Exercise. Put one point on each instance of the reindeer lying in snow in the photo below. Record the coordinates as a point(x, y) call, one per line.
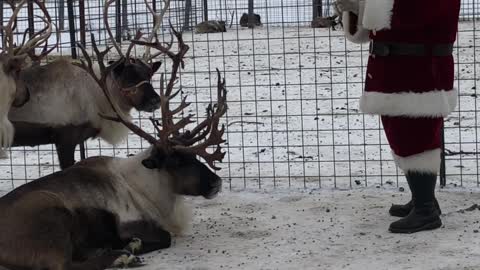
point(65, 101)
point(57, 222)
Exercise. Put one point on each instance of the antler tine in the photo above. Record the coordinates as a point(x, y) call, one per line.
point(42, 36)
point(107, 26)
point(214, 134)
point(8, 30)
point(138, 35)
point(48, 31)
point(190, 137)
point(157, 22)
point(37, 39)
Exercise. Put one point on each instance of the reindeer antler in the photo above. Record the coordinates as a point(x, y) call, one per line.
point(36, 40)
point(107, 26)
point(157, 22)
point(169, 130)
point(7, 43)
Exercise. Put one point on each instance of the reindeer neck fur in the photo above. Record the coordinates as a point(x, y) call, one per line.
point(154, 192)
point(63, 94)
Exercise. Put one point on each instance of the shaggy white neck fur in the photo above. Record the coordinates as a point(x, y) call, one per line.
point(154, 192)
point(378, 14)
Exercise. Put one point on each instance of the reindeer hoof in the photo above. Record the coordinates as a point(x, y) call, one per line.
point(134, 246)
point(127, 260)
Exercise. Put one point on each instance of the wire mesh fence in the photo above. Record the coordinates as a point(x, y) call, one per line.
point(293, 93)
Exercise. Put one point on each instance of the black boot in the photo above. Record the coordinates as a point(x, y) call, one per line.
point(402, 210)
point(424, 215)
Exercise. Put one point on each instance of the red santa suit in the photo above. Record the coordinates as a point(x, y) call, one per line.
point(412, 89)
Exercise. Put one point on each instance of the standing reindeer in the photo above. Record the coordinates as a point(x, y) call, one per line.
point(65, 101)
point(69, 219)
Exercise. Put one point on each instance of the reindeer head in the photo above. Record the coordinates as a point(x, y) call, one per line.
point(12, 61)
point(132, 79)
point(176, 152)
point(132, 75)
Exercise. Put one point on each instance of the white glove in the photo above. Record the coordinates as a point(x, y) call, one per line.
point(346, 5)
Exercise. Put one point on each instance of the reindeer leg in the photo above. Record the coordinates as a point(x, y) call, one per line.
point(144, 237)
point(66, 153)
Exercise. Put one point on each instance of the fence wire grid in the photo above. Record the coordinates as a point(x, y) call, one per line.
point(293, 93)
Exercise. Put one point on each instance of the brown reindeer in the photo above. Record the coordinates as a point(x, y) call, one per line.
point(65, 101)
point(102, 210)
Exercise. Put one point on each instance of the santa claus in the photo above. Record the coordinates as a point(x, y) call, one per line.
point(409, 83)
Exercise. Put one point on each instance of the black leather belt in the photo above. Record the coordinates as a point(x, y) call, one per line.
point(410, 49)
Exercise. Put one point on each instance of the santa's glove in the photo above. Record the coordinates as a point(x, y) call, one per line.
point(346, 5)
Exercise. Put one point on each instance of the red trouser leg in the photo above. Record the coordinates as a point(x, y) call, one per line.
point(415, 142)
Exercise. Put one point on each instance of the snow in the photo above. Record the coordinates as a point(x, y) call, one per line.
point(321, 229)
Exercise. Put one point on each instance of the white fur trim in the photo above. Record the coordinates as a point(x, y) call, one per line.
point(428, 161)
point(362, 35)
point(378, 14)
point(438, 103)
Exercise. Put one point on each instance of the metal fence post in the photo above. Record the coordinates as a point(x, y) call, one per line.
point(31, 24)
point(188, 10)
point(118, 21)
point(443, 177)
point(251, 18)
point(61, 15)
point(205, 10)
point(71, 27)
point(125, 18)
point(73, 45)
point(1, 16)
point(81, 7)
point(317, 10)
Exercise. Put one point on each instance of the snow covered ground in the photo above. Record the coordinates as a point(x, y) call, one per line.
point(324, 230)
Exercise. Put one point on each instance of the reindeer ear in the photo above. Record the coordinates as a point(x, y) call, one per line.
point(15, 64)
point(156, 160)
point(118, 69)
point(150, 163)
point(156, 66)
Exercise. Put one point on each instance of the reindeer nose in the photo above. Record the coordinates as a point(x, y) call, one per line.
point(156, 102)
point(152, 104)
